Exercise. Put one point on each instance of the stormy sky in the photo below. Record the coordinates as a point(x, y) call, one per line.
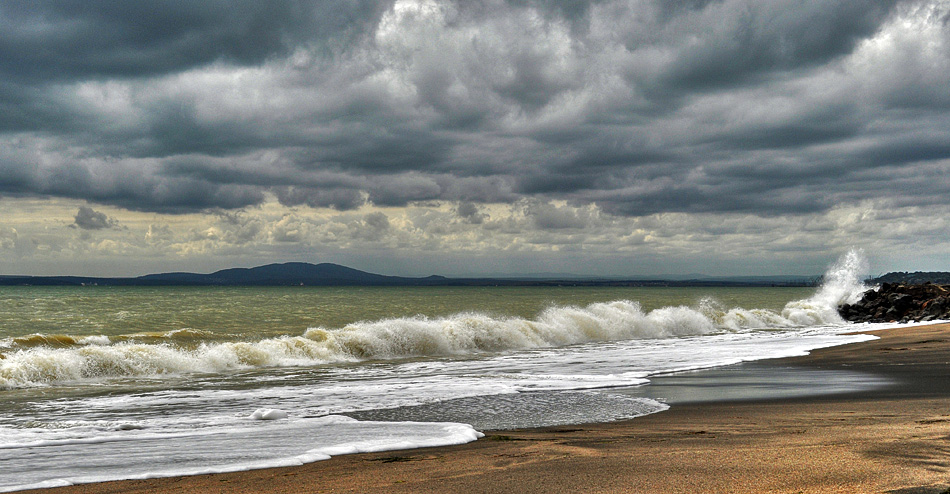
point(412, 137)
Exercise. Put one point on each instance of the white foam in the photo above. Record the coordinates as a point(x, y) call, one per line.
point(301, 441)
point(268, 414)
point(94, 340)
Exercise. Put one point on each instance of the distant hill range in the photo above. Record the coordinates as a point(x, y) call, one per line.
point(286, 274)
point(916, 278)
point(326, 274)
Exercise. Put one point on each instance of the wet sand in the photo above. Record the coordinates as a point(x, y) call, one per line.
point(891, 439)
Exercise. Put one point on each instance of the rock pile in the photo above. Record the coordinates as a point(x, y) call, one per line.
point(900, 302)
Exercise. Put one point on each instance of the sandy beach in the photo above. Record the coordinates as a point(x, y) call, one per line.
point(891, 439)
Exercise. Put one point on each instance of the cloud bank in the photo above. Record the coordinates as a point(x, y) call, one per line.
point(570, 112)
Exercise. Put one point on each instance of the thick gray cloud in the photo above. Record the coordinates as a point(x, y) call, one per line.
point(44, 40)
point(640, 106)
point(90, 219)
point(470, 213)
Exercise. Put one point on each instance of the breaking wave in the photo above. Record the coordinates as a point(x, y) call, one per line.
point(40, 360)
point(842, 284)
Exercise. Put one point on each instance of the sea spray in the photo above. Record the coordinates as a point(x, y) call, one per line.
point(842, 284)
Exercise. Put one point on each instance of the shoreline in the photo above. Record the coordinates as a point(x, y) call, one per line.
point(893, 438)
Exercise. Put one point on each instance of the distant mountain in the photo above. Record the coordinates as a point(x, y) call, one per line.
point(326, 274)
point(291, 273)
point(286, 274)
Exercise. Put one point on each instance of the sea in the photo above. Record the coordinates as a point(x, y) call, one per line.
point(107, 383)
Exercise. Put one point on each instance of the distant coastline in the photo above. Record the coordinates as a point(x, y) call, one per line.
point(327, 274)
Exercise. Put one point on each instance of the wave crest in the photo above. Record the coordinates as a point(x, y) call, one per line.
point(41, 362)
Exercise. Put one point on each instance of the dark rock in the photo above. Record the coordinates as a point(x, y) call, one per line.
point(900, 302)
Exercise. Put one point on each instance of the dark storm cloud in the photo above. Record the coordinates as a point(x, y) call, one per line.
point(137, 185)
point(89, 219)
point(47, 44)
point(647, 106)
point(342, 199)
point(44, 41)
point(757, 38)
point(470, 213)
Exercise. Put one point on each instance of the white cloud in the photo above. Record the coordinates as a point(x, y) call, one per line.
point(674, 242)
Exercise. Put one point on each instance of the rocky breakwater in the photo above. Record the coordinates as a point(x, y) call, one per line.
point(901, 303)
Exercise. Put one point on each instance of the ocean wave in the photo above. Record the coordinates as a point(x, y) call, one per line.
point(53, 340)
point(177, 335)
point(63, 359)
point(67, 341)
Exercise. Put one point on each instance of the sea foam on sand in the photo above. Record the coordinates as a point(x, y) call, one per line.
point(242, 448)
